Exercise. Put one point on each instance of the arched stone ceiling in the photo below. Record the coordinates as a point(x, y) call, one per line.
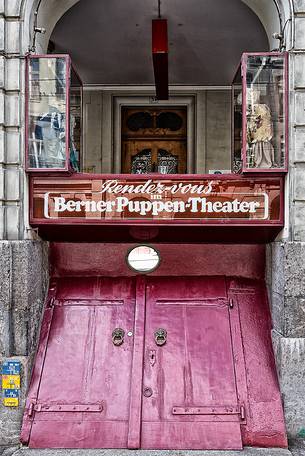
point(110, 40)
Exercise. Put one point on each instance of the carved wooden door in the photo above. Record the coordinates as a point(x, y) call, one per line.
point(154, 141)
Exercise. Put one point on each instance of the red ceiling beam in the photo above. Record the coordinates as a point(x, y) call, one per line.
point(160, 57)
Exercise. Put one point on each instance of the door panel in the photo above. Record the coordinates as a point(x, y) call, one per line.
point(193, 372)
point(154, 140)
point(159, 156)
point(87, 392)
point(83, 397)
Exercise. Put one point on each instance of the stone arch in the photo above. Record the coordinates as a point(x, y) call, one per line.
point(50, 11)
point(268, 14)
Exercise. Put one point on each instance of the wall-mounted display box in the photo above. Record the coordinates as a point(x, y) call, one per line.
point(260, 113)
point(53, 114)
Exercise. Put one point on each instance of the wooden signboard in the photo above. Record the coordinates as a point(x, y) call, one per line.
point(121, 199)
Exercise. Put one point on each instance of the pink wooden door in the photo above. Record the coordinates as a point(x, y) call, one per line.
point(189, 388)
point(89, 390)
point(80, 390)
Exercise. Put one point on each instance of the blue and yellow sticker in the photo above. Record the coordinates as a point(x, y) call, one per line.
point(11, 397)
point(10, 381)
point(11, 368)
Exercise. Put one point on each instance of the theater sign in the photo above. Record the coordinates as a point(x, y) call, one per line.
point(156, 200)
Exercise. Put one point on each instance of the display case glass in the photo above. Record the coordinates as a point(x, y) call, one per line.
point(259, 100)
point(53, 114)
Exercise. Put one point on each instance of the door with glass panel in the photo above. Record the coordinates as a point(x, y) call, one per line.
point(154, 141)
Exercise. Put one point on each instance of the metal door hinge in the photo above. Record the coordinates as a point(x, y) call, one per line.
point(231, 303)
point(64, 408)
point(31, 409)
point(214, 410)
point(51, 303)
point(242, 412)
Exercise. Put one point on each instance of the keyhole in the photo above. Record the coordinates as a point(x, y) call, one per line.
point(152, 357)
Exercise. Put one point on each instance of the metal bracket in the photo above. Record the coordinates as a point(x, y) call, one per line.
point(64, 408)
point(216, 410)
point(51, 303)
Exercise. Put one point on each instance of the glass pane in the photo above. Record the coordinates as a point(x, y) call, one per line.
point(237, 124)
point(265, 145)
point(75, 121)
point(139, 120)
point(167, 162)
point(47, 113)
point(169, 120)
point(141, 162)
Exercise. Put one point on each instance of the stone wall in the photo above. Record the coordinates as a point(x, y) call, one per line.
point(23, 264)
point(23, 283)
point(285, 280)
point(297, 122)
point(11, 178)
point(286, 259)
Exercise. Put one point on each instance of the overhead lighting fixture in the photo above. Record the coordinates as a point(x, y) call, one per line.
point(160, 55)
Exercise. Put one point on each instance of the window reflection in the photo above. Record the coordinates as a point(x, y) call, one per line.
point(47, 113)
point(265, 145)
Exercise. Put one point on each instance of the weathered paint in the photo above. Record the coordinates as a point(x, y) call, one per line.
point(218, 354)
point(194, 368)
point(82, 366)
point(101, 259)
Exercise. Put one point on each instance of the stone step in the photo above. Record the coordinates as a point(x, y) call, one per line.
point(67, 452)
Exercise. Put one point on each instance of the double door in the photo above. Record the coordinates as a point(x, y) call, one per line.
point(136, 363)
point(154, 140)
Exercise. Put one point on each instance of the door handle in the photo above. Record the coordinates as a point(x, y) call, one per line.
point(118, 336)
point(160, 337)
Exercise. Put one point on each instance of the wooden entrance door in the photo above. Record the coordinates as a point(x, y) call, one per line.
point(154, 140)
point(107, 376)
point(189, 386)
point(80, 389)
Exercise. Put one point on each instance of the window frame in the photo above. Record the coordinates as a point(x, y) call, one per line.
point(243, 69)
point(69, 66)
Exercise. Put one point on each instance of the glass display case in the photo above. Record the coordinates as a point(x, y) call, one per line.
point(53, 114)
point(259, 117)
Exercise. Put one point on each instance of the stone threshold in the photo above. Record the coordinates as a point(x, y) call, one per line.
point(113, 452)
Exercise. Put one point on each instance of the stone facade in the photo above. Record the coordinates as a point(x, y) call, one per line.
point(23, 261)
point(285, 280)
point(286, 258)
point(23, 282)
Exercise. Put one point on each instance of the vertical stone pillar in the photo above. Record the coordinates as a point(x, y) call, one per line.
point(23, 283)
point(11, 87)
point(286, 258)
point(23, 263)
point(285, 279)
